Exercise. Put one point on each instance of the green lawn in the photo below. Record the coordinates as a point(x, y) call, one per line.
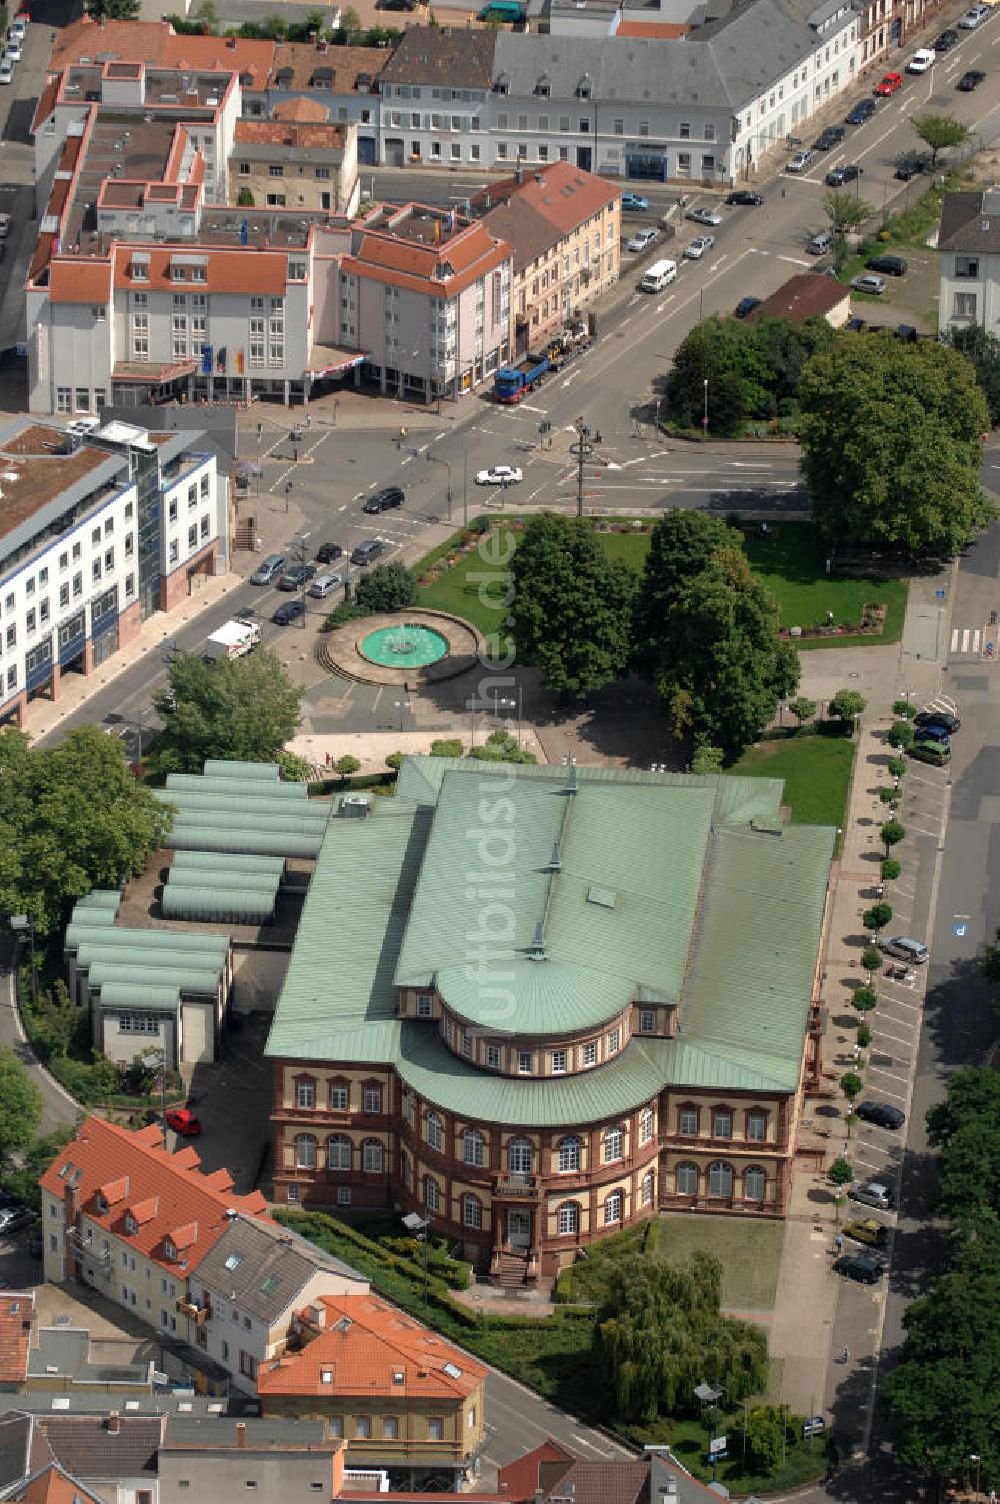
point(750, 1253)
point(789, 559)
point(816, 770)
point(791, 562)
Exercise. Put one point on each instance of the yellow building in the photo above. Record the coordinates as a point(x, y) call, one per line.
point(297, 160)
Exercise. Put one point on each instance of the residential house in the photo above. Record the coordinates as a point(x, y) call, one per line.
point(564, 227)
point(295, 164)
point(96, 534)
point(61, 1362)
point(17, 1314)
point(809, 295)
point(532, 1109)
point(226, 1459)
point(343, 79)
point(113, 1454)
point(393, 1389)
point(969, 250)
point(248, 1287)
point(436, 92)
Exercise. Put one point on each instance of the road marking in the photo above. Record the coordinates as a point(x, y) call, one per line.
point(527, 408)
point(794, 260)
point(439, 436)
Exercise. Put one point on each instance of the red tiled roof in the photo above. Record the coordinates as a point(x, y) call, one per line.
point(377, 1341)
point(53, 1486)
point(155, 42)
point(521, 1475)
point(130, 1170)
point(245, 270)
point(656, 29)
point(300, 109)
point(344, 65)
point(565, 195)
point(442, 269)
point(16, 1311)
point(809, 295)
point(299, 137)
point(80, 279)
point(46, 100)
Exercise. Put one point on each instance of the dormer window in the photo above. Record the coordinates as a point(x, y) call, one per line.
point(584, 87)
point(131, 1225)
point(169, 1250)
point(102, 1205)
point(246, 80)
point(543, 88)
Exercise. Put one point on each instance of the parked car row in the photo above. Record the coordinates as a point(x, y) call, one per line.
point(13, 47)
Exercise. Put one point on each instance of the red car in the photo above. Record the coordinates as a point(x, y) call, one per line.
point(889, 84)
point(183, 1121)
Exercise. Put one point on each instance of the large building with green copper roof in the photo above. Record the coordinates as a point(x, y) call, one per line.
point(537, 1003)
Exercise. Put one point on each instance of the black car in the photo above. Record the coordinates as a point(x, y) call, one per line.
point(838, 176)
point(909, 165)
point(297, 576)
point(327, 552)
point(745, 306)
point(381, 501)
point(892, 266)
point(882, 1114)
point(288, 612)
point(946, 41)
point(745, 196)
point(970, 80)
point(860, 1266)
point(829, 137)
point(943, 718)
point(862, 111)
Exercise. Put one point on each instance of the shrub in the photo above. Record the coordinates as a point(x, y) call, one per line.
point(387, 587)
point(890, 869)
point(903, 709)
point(864, 999)
point(892, 833)
point(901, 734)
point(447, 746)
point(343, 613)
point(864, 1036)
point(896, 767)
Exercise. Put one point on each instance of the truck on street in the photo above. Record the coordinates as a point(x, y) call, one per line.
point(512, 382)
point(232, 640)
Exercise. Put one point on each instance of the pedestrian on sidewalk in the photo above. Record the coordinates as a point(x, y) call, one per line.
point(838, 1242)
point(845, 1356)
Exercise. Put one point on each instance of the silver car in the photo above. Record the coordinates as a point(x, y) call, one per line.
point(699, 246)
point(800, 161)
point(706, 216)
point(869, 283)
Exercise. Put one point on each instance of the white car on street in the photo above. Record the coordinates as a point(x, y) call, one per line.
point(699, 246)
point(13, 50)
point(922, 61)
point(499, 475)
point(6, 71)
point(973, 16)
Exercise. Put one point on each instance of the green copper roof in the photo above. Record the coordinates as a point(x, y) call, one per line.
point(647, 887)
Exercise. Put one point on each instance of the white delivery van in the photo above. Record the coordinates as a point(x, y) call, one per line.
point(660, 274)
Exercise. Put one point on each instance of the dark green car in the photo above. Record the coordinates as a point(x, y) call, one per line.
point(859, 1266)
point(931, 752)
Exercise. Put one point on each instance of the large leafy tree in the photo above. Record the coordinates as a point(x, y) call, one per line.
point(571, 607)
point(246, 708)
point(659, 1332)
point(387, 587)
point(939, 132)
point(845, 211)
point(113, 10)
point(723, 353)
point(706, 634)
point(966, 1128)
point(20, 1106)
point(72, 817)
point(982, 350)
point(891, 445)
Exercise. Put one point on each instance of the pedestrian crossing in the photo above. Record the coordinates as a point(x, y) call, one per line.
point(975, 642)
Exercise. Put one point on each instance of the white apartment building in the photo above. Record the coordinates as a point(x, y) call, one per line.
point(95, 535)
point(969, 248)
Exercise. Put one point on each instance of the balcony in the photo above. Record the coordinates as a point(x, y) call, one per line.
point(198, 1314)
point(511, 1186)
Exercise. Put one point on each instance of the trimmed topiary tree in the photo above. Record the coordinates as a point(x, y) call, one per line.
point(892, 833)
point(877, 917)
point(890, 869)
point(871, 958)
point(864, 999)
point(901, 734)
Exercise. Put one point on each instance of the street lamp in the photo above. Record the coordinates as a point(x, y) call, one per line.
point(260, 434)
point(299, 545)
point(288, 491)
point(704, 412)
point(21, 925)
point(975, 1457)
point(419, 1227)
point(436, 459)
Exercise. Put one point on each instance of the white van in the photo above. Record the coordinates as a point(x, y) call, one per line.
point(324, 583)
point(659, 276)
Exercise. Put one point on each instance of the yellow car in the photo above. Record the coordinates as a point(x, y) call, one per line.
point(866, 1230)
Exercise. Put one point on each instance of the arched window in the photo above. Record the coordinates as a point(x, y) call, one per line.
point(569, 1218)
point(686, 1178)
point(432, 1195)
point(435, 1131)
point(473, 1147)
point(648, 1187)
point(338, 1152)
point(472, 1212)
point(757, 1125)
point(371, 1156)
point(614, 1144)
point(720, 1179)
point(645, 1125)
point(569, 1154)
point(614, 1207)
point(519, 1156)
point(305, 1151)
point(754, 1184)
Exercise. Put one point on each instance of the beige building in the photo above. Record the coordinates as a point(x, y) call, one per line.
point(297, 160)
point(564, 225)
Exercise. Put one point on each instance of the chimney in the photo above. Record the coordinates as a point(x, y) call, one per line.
point(241, 1433)
point(114, 1423)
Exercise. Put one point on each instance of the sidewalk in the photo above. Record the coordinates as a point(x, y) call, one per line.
point(802, 1332)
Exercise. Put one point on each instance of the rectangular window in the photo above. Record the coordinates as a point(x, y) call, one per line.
point(248, 1365)
point(435, 1428)
point(425, 1005)
point(373, 1099)
point(524, 1062)
point(558, 1062)
point(390, 1427)
point(966, 266)
point(305, 1094)
point(64, 399)
point(590, 1053)
point(618, 126)
point(493, 1056)
point(965, 305)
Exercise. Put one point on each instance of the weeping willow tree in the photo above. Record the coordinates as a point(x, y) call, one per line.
point(660, 1332)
